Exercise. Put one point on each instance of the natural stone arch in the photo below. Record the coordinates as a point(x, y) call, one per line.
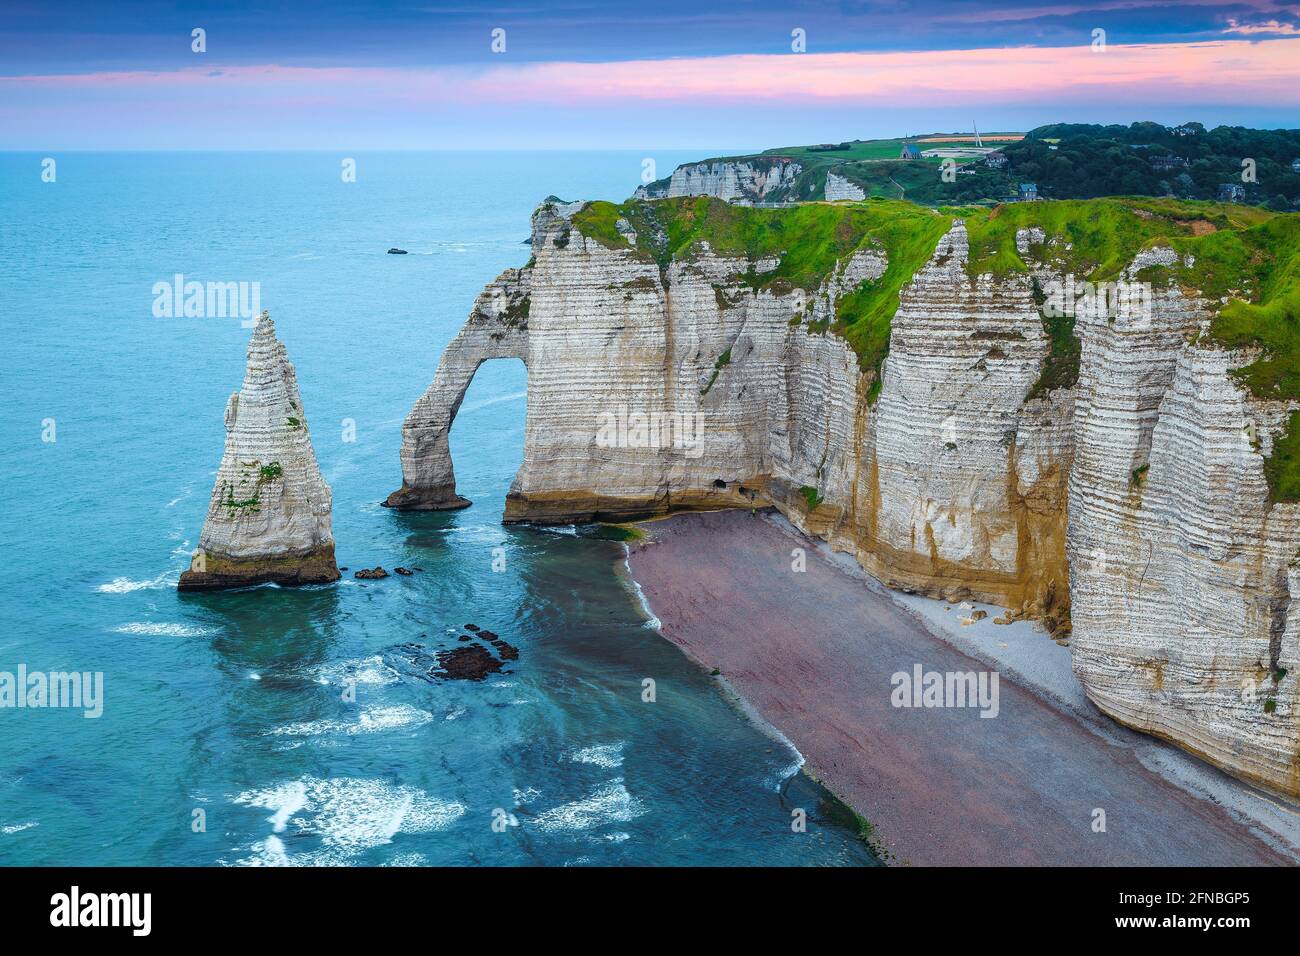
point(497, 328)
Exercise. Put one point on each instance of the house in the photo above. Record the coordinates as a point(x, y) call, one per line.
point(1295, 165)
point(1028, 192)
point(1184, 130)
point(910, 151)
point(1165, 163)
point(996, 160)
point(1231, 192)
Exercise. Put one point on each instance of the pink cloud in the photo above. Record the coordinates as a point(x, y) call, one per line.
point(1218, 71)
point(521, 105)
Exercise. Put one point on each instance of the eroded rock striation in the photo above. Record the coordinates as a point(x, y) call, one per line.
point(897, 382)
point(269, 518)
point(840, 188)
point(754, 180)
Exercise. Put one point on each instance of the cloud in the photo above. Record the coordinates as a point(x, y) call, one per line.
point(1273, 27)
point(501, 104)
point(1216, 70)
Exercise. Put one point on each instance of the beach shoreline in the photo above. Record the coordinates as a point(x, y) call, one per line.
point(1051, 781)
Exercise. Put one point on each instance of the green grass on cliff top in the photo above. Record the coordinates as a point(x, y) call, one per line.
point(1243, 253)
point(1103, 234)
point(810, 239)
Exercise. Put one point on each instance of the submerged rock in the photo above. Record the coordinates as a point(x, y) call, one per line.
point(269, 517)
point(407, 572)
point(473, 662)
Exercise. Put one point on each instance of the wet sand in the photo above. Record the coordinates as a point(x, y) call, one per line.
point(813, 653)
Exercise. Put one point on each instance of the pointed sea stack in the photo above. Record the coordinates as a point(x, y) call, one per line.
point(269, 519)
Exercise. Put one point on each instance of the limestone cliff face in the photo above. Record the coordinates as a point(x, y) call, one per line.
point(1183, 573)
point(839, 188)
point(1130, 505)
point(749, 180)
point(968, 485)
point(269, 518)
point(653, 387)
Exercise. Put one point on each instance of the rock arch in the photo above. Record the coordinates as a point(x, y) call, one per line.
point(497, 328)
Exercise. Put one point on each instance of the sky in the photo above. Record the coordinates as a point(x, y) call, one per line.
point(591, 74)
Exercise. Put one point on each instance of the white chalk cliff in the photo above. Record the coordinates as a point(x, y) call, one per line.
point(839, 188)
point(759, 179)
point(679, 383)
point(269, 517)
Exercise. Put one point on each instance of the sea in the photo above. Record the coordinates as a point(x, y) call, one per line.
point(289, 727)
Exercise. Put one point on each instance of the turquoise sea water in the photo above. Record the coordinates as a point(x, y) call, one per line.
point(232, 704)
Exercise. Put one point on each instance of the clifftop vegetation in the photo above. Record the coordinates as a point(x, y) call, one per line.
point(809, 240)
point(1245, 255)
point(1064, 160)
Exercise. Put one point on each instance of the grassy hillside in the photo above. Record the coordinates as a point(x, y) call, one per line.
point(1065, 161)
point(861, 157)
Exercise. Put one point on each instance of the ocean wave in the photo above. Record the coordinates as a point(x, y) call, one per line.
point(269, 852)
point(608, 756)
point(609, 804)
point(181, 497)
point(368, 670)
point(162, 630)
point(566, 531)
point(19, 827)
point(651, 622)
point(347, 814)
point(167, 579)
point(288, 800)
point(372, 720)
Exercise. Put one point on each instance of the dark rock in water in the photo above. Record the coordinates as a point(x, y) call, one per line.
point(471, 627)
point(404, 571)
point(375, 572)
point(473, 662)
point(464, 637)
point(487, 635)
point(508, 652)
point(527, 242)
point(396, 251)
point(342, 569)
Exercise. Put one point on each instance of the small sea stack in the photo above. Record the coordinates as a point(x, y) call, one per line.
point(269, 518)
